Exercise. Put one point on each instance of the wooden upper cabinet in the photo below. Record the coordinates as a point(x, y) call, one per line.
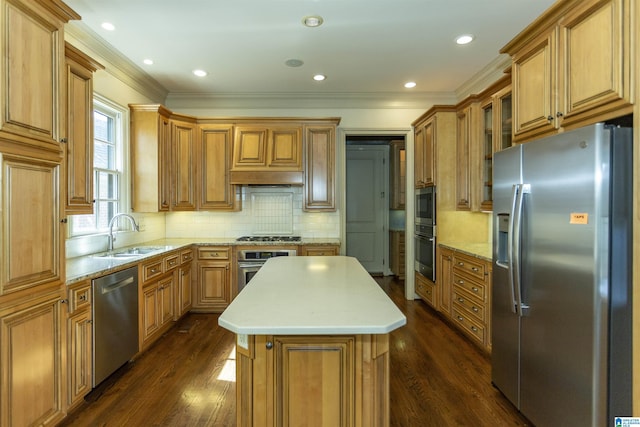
point(151, 157)
point(32, 89)
point(464, 141)
point(183, 140)
point(398, 175)
point(572, 67)
point(79, 146)
point(319, 171)
point(425, 149)
point(213, 163)
point(269, 146)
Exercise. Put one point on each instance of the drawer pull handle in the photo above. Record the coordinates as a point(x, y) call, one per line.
point(474, 329)
point(460, 300)
point(460, 318)
point(172, 262)
point(475, 309)
point(460, 263)
point(154, 270)
point(474, 289)
point(461, 282)
point(476, 269)
point(82, 298)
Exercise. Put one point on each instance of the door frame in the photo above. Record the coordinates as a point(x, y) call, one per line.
point(341, 172)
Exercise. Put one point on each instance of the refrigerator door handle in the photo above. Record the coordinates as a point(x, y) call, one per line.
point(522, 189)
point(510, 253)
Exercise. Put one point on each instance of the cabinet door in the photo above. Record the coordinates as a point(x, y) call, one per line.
point(184, 300)
point(183, 139)
point(594, 60)
point(163, 168)
point(250, 147)
point(425, 159)
point(79, 147)
point(418, 156)
point(483, 185)
point(319, 171)
point(32, 74)
point(313, 380)
point(463, 176)
point(285, 148)
point(445, 261)
point(31, 224)
point(79, 357)
point(150, 313)
point(213, 287)
point(166, 304)
point(534, 82)
point(214, 161)
point(32, 390)
point(398, 174)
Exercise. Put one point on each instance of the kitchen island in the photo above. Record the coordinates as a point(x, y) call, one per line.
point(312, 344)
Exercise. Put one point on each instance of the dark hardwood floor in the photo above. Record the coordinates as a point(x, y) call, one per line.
point(438, 378)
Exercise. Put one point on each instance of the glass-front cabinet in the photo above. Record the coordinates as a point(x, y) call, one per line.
point(497, 135)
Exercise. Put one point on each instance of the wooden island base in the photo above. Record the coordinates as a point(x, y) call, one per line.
point(312, 380)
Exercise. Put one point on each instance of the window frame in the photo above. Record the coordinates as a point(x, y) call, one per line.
point(121, 137)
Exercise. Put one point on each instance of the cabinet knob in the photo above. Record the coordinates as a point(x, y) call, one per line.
point(476, 269)
point(559, 114)
point(64, 140)
point(549, 118)
point(474, 289)
point(82, 298)
point(269, 345)
point(64, 301)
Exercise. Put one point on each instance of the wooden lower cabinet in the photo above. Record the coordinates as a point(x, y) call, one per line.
point(33, 386)
point(319, 250)
point(79, 342)
point(332, 380)
point(445, 260)
point(427, 290)
point(184, 299)
point(213, 290)
point(397, 253)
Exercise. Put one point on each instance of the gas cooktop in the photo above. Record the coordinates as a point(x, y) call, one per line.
point(269, 239)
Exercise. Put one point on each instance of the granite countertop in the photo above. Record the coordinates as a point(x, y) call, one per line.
point(479, 250)
point(91, 266)
point(312, 296)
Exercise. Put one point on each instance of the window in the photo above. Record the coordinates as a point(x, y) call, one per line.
point(108, 171)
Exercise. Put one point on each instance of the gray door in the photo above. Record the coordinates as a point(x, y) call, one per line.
point(366, 203)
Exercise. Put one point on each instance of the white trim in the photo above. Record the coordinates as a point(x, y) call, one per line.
point(341, 151)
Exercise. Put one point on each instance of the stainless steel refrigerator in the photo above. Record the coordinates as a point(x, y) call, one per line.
point(562, 258)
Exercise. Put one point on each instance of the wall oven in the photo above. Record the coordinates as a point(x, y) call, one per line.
point(250, 261)
point(425, 249)
point(425, 206)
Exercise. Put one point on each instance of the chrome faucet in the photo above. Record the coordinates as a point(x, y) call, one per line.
point(131, 220)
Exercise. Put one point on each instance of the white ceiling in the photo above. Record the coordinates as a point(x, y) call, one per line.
point(364, 46)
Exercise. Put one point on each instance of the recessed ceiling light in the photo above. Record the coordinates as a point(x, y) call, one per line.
point(293, 63)
point(148, 61)
point(410, 85)
point(108, 26)
point(312, 21)
point(464, 39)
point(319, 77)
point(200, 73)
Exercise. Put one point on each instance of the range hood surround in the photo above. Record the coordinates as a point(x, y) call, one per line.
point(240, 177)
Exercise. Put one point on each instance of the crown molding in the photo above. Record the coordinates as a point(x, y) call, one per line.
point(484, 78)
point(315, 100)
point(116, 63)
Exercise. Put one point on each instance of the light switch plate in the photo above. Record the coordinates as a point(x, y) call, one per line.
point(243, 341)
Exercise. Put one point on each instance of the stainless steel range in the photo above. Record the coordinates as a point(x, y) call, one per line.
point(250, 260)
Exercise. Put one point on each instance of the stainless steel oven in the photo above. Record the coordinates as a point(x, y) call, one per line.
point(250, 261)
point(425, 249)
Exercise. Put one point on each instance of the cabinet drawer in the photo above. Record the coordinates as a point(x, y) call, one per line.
point(473, 266)
point(468, 325)
point(328, 251)
point(426, 290)
point(171, 261)
point(475, 309)
point(213, 253)
point(79, 297)
point(186, 256)
point(151, 270)
point(476, 288)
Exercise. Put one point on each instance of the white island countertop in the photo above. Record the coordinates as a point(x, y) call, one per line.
point(312, 295)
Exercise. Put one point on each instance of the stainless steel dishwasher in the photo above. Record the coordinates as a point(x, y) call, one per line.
point(115, 322)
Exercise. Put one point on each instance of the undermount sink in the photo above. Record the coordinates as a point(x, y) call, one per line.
point(130, 252)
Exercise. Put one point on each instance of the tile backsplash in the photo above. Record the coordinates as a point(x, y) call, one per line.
point(265, 210)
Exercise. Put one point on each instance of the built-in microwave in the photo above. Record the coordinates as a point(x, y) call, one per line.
point(426, 206)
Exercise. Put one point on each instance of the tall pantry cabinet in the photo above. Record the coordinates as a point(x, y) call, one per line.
point(32, 131)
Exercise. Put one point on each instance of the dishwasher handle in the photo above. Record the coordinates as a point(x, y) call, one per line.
point(105, 289)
